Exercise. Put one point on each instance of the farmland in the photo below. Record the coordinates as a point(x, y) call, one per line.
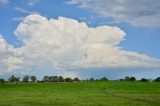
point(109, 93)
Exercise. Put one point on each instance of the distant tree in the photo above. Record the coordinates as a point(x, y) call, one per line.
point(40, 81)
point(76, 79)
point(33, 78)
point(61, 79)
point(50, 78)
point(17, 79)
point(97, 79)
point(121, 79)
point(127, 78)
point(86, 80)
point(132, 79)
point(68, 80)
point(83, 80)
point(2, 80)
point(46, 79)
point(104, 79)
point(91, 79)
point(144, 80)
point(55, 78)
point(26, 78)
point(13, 79)
point(157, 79)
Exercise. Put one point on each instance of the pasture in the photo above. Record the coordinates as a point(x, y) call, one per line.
point(109, 93)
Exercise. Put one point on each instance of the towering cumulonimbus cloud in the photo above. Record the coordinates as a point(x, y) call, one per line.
point(66, 44)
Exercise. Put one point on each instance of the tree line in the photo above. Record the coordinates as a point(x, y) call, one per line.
point(28, 78)
point(33, 79)
point(127, 78)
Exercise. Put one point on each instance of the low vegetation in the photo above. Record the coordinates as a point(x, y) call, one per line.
point(101, 93)
point(53, 91)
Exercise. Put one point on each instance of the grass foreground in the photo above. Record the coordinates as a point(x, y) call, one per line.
point(81, 94)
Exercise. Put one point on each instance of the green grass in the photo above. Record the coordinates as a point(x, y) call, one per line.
point(81, 94)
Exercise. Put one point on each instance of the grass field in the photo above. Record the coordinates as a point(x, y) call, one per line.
point(81, 94)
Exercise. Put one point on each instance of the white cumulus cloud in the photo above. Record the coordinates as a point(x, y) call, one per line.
point(66, 44)
point(139, 13)
point(9, 57)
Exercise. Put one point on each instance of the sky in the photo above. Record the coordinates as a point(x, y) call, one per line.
point(80, 38)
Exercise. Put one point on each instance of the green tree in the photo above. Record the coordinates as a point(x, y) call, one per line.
point(61, 79)
point(144, 80)
point(76, 79)
point(68, 80)
point(157, 79)
point(132, 79)
point(13, 79)
point(50, 78)
point(121, 79)
point(17, 79)
point(33, 78)
point(91, 79)
point(104, 79)
point(46, 78)
point(127, 78)
point(2, 80)
point(26, 78)
point(55, 78)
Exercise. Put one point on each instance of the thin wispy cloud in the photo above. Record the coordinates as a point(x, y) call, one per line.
point(19, 9)
point(32, 2)
point(18, 18)
point(144, 13)
point(3, 2)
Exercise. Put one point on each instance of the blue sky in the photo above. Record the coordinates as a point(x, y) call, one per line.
point(141, 27)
